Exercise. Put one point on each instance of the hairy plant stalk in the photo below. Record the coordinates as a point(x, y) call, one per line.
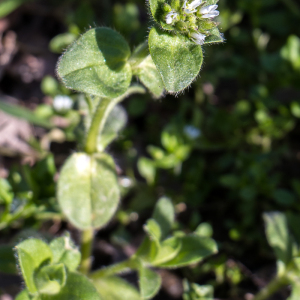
point(119, 268)
point(275, 285)
point(86, 250)
point(101, 114)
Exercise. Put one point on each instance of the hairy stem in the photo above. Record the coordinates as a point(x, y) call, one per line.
point(119, 268)
point(86, 250)
point(276, 284)
point(103, 110)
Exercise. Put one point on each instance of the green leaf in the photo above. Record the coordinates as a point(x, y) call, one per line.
point(278, 235)
point(291, 51)
point(204, 229)
point(144, 67)
point(88, 190)
point(23, 295)
point(147, 169)
point(8, 6)
point(147, 250)
point(194, 249)
point(97, 64)
point(164, 215)
point(153, 229)
point(168, 249)
point(214, 36)
point(176, 57)
point(25, 114)
point(7, 260)
point(77, 287)
point(6, 194)
point(61, 42)
point(193, 291)
point(64, 251)
point(149, 282)
point(115, 122)
point(115, 288)
point(295, 294)
point(150, 77)
point(32, 253)
point(50, 279)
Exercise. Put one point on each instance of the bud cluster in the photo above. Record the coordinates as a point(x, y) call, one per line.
point(193, 18)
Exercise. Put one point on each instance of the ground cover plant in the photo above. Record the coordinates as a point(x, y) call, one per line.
point(201, 171)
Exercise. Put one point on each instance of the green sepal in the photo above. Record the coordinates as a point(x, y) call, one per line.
point(176, 57)
point(215, 36)
point(97, 64)
point(88, 191)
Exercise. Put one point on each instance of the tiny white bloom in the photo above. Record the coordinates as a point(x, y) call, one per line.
point(191, 8)
point(198, 38)
point(171, 16)
point(62, 103)
point(209, 11)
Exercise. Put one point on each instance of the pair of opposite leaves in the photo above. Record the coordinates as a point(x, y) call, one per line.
point(99, 63)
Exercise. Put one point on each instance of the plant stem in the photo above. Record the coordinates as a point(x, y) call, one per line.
point(122, 267)
point(86, 250)
point(97, 124)
point(276, 284)
point(103, 110)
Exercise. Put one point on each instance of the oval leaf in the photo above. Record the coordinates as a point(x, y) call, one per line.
point(150, 282)
point(194, 248)
point(88, 191)
point(164, 215)
point(115, 288)
point(96, 64)
point(176, 57)
point(150, 77)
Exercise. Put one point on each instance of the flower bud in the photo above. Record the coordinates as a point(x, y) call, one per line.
point(181, 26)
point(167, 8)
point(175, 4)
point(206, 25)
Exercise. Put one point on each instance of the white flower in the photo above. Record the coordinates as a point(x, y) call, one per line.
point(209, 11)
point(191, 8)
point(62, 103)
point(198, 38)
point(171, 16)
